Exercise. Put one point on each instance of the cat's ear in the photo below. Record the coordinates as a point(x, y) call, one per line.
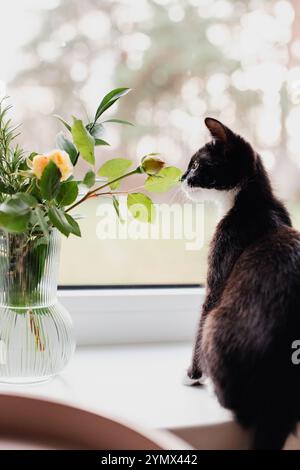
point(218, 130)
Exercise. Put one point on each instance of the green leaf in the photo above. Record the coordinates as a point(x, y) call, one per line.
point(141, 207)
point(74, 225)
point(109, 100)
point(40, 216)
point(14, 223)
point(114, 168)
point(89, 179)
point(27, 199)
point(101, 142)
point(65, 144)
point(116, 205)
point(96, 130)
point(14, 215)
point(63, 222)
point(118, 121)
point(83, 141)
point(50, 181)
point(63, 122)
point(58, 218)
point(165, 180)
point(17, 204)
point(68, 193)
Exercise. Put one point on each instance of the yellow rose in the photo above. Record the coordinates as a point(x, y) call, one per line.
point(63, 162)
point(38, 164)
point(59, 157)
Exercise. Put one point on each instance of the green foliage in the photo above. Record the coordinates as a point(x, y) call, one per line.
point(63, 222)
point(114, 168)
point(74, 225)
point(100, 142)
point(41, 221)
point(6, 189)
point(141, 207)
point(13, 221)
point(89, 179)
point(116, 206)
point(65, 144)
point(50, 181)
point(33, 197)
point(67, 194)
point(12, 158)
point(109, 100)
point(83, 141)
point(27, 199)
point(67, 126)
point(165, 180)
point(118, 121)
point(96, 129)
point(15, 214)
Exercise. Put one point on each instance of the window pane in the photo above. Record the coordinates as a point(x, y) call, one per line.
point(234, 60)
point(123, 260)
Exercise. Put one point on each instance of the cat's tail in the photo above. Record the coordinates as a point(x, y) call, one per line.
point(273, 425)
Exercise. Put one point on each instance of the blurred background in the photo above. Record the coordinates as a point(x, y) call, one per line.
point(238, 61)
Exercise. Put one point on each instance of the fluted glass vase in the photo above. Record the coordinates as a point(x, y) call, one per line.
point(36, 334)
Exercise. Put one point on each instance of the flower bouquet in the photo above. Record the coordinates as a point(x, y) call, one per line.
point(38, 193)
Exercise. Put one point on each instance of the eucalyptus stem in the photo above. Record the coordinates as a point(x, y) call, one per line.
point(108, 183)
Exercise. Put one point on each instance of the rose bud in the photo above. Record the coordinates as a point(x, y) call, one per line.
point(152, 165)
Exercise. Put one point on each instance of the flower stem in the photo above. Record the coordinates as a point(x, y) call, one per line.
point(108, 183)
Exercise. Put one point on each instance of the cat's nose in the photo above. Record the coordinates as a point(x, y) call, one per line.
point(183, 177)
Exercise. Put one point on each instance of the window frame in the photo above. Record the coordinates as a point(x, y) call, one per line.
point(131, 314)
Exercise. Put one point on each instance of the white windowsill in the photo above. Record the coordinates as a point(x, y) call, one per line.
point(141, 383)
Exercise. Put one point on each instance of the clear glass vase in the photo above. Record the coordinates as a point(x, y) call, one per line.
point(36, 334)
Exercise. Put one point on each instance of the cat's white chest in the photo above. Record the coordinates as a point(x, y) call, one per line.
point(223, 198)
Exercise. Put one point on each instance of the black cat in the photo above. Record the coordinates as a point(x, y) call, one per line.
point(251, 314)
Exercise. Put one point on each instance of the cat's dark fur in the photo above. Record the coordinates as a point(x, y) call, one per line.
point(251, 314)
